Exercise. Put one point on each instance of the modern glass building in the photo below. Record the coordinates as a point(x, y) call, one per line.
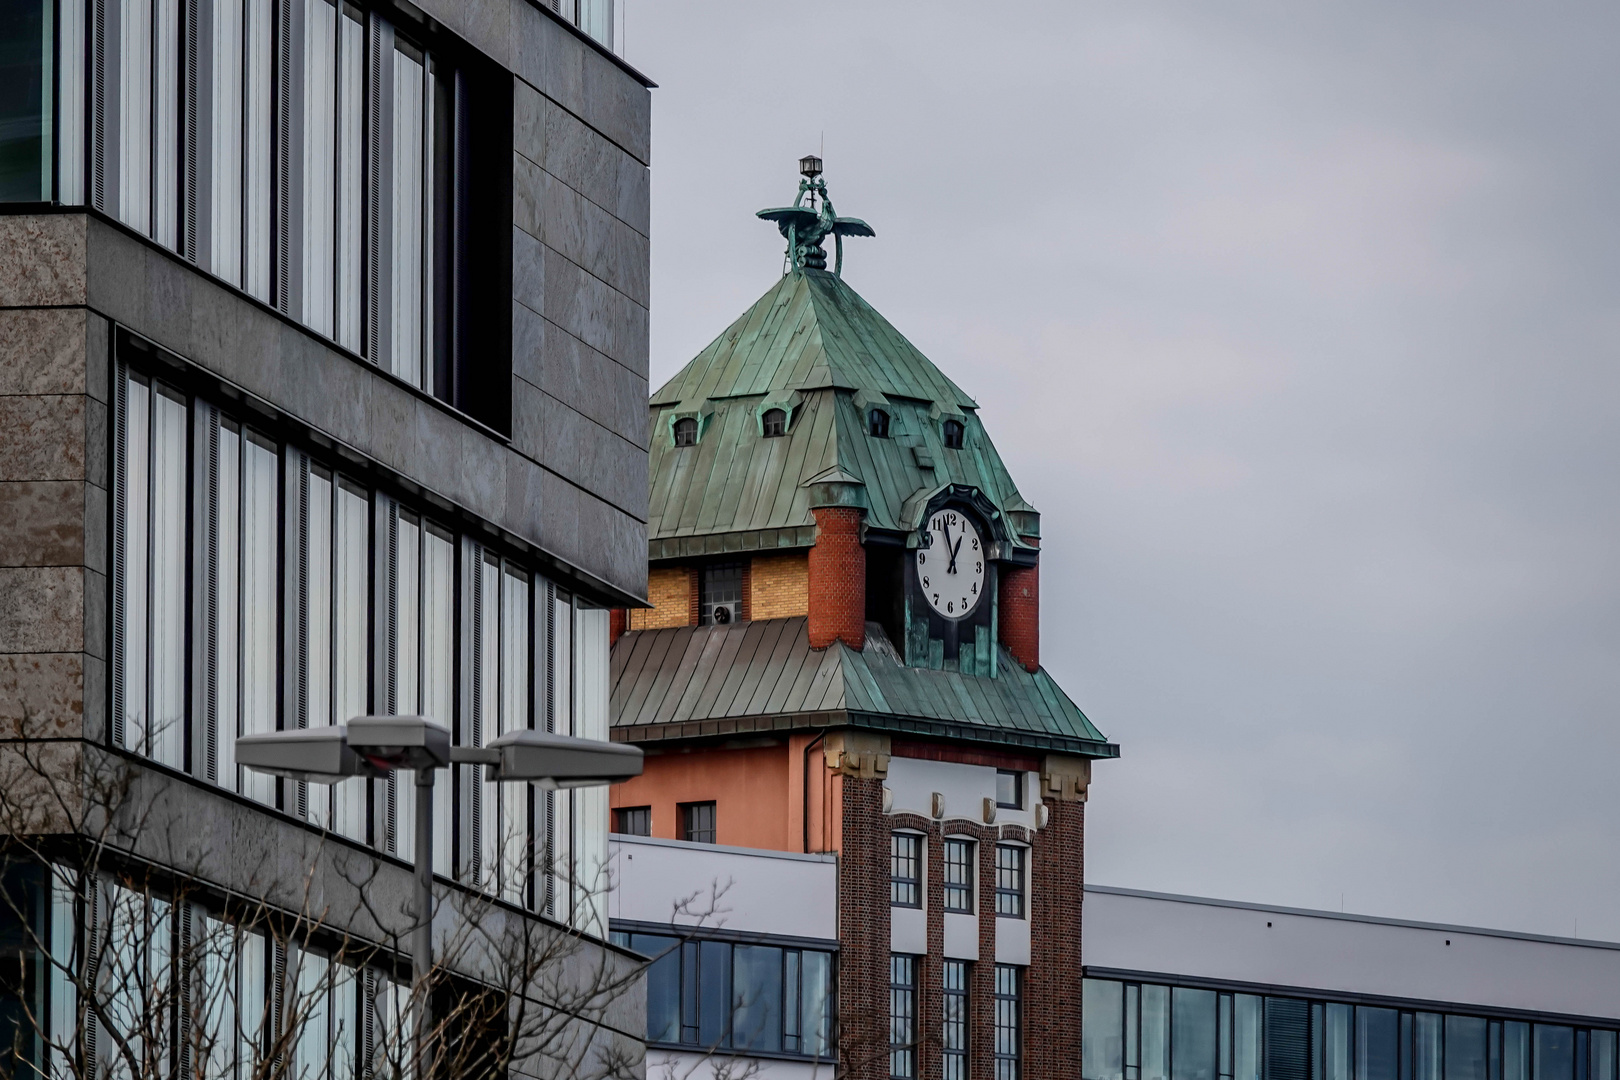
point(1185, 988)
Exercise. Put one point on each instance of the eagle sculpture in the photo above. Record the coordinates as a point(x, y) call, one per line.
point(805, 227)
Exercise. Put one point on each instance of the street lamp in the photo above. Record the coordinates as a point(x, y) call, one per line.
point(377, 745)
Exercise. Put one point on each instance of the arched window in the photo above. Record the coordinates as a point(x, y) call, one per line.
point(877, 424)
point(775, 421)
point(953, 434)
point(686, 431)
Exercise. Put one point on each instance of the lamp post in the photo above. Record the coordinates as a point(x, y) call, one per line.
point(377, 745)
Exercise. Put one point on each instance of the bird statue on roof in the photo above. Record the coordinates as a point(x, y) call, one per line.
point(805, 227)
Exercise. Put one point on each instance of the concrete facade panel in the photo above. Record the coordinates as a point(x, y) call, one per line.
point(42, 609)
point(42, 695)
point(599, 315)
point(528, 276)
point(593, 165)
point(590, 455)
point(617, 106)
point(587, 381)
point(586, 234)
point(42, 523)
point(42, 351)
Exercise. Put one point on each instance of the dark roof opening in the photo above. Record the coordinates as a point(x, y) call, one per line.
point(775, 422)
point(686, 431)
point(877, 424)
point(953, 435)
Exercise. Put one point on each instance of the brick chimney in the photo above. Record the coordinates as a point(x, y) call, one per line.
point(838, 578)
point(1019, 610)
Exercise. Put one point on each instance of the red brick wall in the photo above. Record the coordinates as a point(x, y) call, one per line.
point(1019, 611)
point(1052, 983)
point(863, 920)
point(616, 623)
point(837, 579)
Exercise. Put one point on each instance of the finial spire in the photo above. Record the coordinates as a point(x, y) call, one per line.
point(805, 227)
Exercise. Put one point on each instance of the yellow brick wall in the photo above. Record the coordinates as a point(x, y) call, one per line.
point(779, 586)
point(669, 590)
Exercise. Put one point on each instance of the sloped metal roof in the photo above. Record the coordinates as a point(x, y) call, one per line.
point(812, 346)
point(704, 681)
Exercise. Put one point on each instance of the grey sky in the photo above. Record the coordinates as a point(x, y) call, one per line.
point(1298, 322)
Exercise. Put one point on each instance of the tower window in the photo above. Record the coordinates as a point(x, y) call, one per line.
point(775, 421)
point(877, 424)
point(953, 435)
point(720, 601)
point(961, 867)
point(905, 870)
point(1010, 789)
point(1010, 880)
point(686, 432)
point(697, 822)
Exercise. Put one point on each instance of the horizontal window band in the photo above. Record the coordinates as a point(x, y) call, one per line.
point(715, 933)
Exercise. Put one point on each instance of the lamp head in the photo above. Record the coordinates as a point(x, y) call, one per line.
point(319, 755)
point(399, 742)
point(562, 761)
point(810, 166)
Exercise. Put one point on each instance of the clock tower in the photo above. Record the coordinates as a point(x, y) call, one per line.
point(841, 654)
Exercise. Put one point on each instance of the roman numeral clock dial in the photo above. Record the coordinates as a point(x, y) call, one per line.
point(950, 570)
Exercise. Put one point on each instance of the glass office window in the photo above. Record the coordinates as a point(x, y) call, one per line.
point(150, 563)
point(1554, 1052)
point(1427, 1053)
point(1010, 867)
point(663, 985)
point(902, 1017)
point(225, 129)
point(697, 822)
point(633, 820)
point(350, 269)
point(1248, 1045)
point(953, 1034)
point(714, 993)
point(905, 869)
point(1377, 1043)
point(501, 651)
point(1155, 1033)
point(815, 1003)
point(1009, 1022)
point(1465, 1048)
point(1515, 1050)
point(756, 998)
point(1603, 1055)
point(319, 163)
point(1192, 1035)
point(411, 148)
point(1336, 1041)
point(1103, 1052)
point(961, 868)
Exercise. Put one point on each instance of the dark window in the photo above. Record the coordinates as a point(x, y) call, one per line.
point(1465, 1048)
point(633, 820)
point(686, 431)
point(23, 104)
point(905, 869)
point(1009, 1022)
point(953, 434)
point(877, 424)
point(1010, 880)
point(1102, 1008)
point(720, 599)
point(1377, 1037)
point(953, 1033)
point(775, 423)
point(902, 1017)
point(1554, 1051)
point(751, 997)
point(697, 822)
point(1010, 789)
point(960, 871)
point(1192, 1034)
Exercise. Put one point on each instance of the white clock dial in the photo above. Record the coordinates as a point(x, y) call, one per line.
point(950, 571)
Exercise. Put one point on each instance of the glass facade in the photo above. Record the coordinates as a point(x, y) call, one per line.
point(746, 997)
point(303, 595)
point(1145, 1031)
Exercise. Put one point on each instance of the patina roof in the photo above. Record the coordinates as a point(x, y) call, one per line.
point(813, 347)
point(707, 681)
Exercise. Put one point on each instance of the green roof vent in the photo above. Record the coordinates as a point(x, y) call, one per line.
point(806, 226)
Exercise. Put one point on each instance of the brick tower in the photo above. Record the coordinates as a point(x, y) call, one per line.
point(842, 656)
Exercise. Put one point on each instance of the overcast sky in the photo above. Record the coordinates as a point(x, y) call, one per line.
point(1298, 323)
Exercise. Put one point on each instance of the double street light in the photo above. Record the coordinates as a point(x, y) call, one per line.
point(378, 745)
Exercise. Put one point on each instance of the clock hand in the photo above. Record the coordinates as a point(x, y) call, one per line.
point(945, 527)
point(954, 550)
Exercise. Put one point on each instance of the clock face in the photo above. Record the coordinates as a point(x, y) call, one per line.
point(950, 571)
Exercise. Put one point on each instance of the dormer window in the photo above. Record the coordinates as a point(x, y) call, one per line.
point(686, 431)
point(953, 434)
point(775, 423)
point(877, 424)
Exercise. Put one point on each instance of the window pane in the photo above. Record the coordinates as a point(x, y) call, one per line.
point(261, 534)
point(320, 161)
point(168, 554)
point(407, 296)
point(1603, 1055)
point(352, 618)
point(1103, 1027)
point(438, 666)
point(225, 661)
point(756, 997)
point(1554, 1052)
point(514, 716)
point(134, 120)
point(1193, 1034)
point(714, 992)
point(905, 858)
point(1010, 880)
point(1377, 1041)
point(1427, 1054)
point(1336, 1041)
point(1465, 1048)
point(954, 1025)
point(1009, 1036)
point(663, 986)
point(1155, 1032)
point(902, 1017)
point(721, 599)
point(351, 116)
point(815, 1021)
point(1009, 788)
point(257, 128)
point(959, 874)
point(225, 128)
point(133, 569)
point(1246, 1037)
